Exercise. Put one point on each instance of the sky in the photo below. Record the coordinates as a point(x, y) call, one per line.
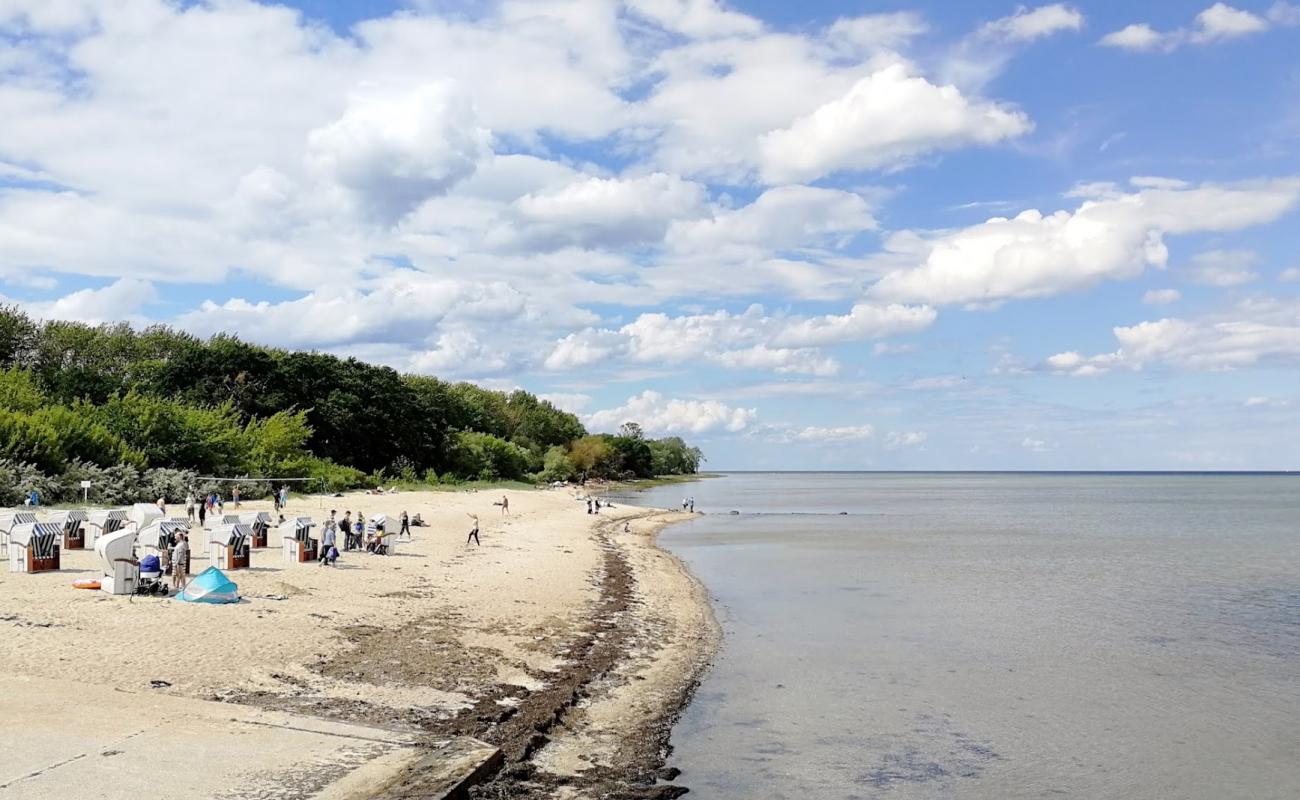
point(817, 235)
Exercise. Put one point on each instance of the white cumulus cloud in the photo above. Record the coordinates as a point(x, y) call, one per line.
point(1223, 268)
point(117, 301)
point(1253, 332)
point(658, 414)
point(392, 152)
point(752, 339)
point(1111, 236)
point(885, 119)
point(1029, 24)
point(843, 433)
point(1216, 23)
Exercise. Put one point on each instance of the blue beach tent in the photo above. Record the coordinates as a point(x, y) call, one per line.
point(210, 586)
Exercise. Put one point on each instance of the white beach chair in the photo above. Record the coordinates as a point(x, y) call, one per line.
point(296, 544)
point(103, 522)
point(73, 524)
point(386, 527)
point(142, 515)
point(157, 536)
point(228, 546)
point(34, 547)
point(11, 519)
point(117, 562)
point(260, 524)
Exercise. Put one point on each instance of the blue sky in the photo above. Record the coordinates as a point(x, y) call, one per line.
point(803, 235)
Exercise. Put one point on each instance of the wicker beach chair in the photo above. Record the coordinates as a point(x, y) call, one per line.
point(73, 525)
point(34, 547)
point(11, 520)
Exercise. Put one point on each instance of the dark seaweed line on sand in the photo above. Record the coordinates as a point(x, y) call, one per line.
point(522, 729)
point(600, 649)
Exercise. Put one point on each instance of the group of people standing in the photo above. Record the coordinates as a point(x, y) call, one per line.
point(688, 504)
point(214, 503)
point(357, 535)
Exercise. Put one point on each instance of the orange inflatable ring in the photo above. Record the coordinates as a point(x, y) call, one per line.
point(85, 583)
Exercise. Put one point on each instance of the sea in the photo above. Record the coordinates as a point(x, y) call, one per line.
point(994, 635)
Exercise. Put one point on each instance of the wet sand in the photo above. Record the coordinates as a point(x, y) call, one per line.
point(564, 641)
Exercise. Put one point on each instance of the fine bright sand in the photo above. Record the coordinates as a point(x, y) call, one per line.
point(459, 622)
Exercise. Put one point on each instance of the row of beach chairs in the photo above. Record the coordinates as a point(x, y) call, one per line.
point(116, 535)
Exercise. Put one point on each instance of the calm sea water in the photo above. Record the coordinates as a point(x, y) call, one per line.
point(996, 636)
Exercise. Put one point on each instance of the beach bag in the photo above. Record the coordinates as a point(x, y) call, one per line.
point(333, 554)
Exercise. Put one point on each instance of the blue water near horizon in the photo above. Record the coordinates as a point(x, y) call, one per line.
point(995, 635)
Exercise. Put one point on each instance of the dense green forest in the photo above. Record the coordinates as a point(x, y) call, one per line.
point(147, 413)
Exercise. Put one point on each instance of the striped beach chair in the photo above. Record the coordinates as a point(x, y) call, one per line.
point(228, 546)
point(34, 547)
point(11, 520)
point(296, 543)
point(382, 526)
point(73, 524)
point(159, 536)
point(260, 523)
point(101, 523)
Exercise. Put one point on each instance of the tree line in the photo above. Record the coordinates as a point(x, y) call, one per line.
point(138, 412)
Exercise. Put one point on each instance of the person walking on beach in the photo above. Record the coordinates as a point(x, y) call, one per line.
point(588, 505)
point(406, 526)
point(234, 496)
point(189, 505)
point(284, 495)
point(692, 505)
point(505, 505)
point(203, 513)
point(473, 532)
point(685, 501)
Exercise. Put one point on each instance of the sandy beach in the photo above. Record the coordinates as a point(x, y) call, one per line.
point(563, 641)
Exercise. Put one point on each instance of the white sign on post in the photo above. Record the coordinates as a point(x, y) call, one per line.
point(85, 491)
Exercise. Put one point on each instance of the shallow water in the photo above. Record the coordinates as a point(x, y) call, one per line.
point(995, 636)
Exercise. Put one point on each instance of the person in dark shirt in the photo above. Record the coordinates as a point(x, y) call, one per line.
point(345, 525)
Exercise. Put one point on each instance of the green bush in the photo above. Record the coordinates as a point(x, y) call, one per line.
point(19, 391)
point(484, 457)
point(167, 483)
point(557, 466)
point(17, 480)
point(330, 477)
